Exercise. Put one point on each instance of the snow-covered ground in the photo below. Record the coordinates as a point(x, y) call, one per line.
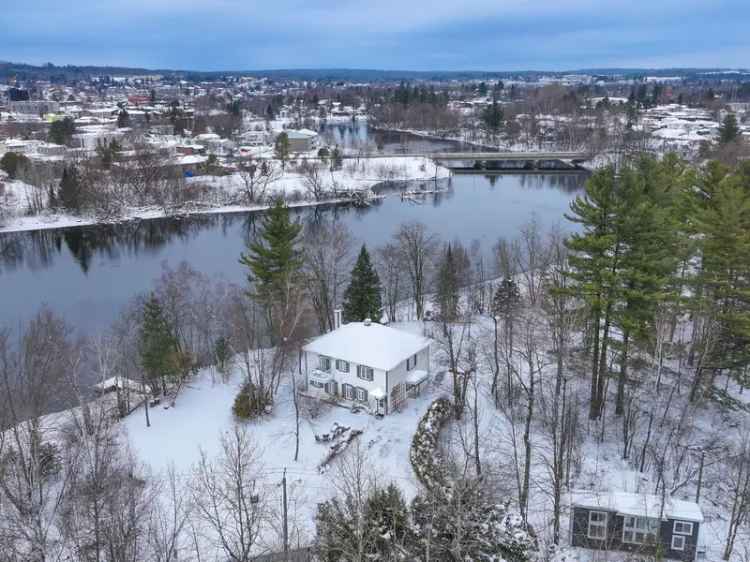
point(202, 413)
point(357, 174)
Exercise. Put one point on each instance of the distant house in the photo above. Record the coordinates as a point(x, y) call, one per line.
point(637, 523)
point(366, 363)
point(302, 140)
point(254, 138)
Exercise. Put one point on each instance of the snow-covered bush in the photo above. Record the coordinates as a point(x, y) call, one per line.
point(464, 517)
point(249, 403)
point(424, 455)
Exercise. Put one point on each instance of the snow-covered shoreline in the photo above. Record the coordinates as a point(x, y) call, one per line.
point(365, 174)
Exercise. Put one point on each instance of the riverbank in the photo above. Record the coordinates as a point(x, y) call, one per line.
point(293, 186)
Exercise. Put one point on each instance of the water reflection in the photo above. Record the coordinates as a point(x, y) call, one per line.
point(359, 135)
point(88, 273)
point(38, 250)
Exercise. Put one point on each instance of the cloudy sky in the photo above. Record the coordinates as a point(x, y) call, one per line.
point(385, 34)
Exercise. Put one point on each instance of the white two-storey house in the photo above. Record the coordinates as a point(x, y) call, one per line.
point(366, 363)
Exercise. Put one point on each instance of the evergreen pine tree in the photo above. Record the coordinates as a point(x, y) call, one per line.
point(594, 259)
point(123, 119)
point(648, 257)
point(158, 347)
point(61, 131)
point(13, 163)
point(507, 298)
point(446, 293)
point(69, 194)
point(281, 148)
point(274, 262)
point(362, 298)
point(724, 221)
point(729, 131)
point(492, 118)
point(388, 515)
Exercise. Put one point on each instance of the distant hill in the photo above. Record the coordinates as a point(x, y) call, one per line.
point(73, 72)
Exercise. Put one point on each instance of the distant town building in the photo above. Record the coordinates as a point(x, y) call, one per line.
point(302, 140)
point(34, 107)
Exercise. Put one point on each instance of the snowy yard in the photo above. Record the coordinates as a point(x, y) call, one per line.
point(203, 412)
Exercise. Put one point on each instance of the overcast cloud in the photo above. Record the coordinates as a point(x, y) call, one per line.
point(389, 34)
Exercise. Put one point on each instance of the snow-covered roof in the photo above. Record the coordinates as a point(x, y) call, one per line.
point(640, 505)
point(301, 134)
point(122, 383)
point(376, 346)
point(416, 376)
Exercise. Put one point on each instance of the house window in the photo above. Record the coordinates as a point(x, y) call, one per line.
point(683, 528)
point(332, 388)
point(348, 391)
point(411, 362)
point(361, 394)
point(324, 363)
point(365, 373)
point(342, 366)
point(597, 525)
point(678, 542)
point(639, 530)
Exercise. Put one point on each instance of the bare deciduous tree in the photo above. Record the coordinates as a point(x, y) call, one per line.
point(327, 260)
point(391, 277)
point(417, 248)
point(256, 178)
point(226, 496)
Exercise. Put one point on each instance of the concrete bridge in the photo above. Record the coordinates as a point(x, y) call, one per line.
point(499, 161)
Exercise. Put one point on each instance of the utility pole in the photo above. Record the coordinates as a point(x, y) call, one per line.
point(286, 524)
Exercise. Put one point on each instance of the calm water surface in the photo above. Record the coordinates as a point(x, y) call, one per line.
point(88, 273)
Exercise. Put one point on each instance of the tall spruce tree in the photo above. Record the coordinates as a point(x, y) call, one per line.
point(274, 261)
point(158, 347)
point(69, 193)
point(594, 259)
point(446, 292)
point(281, 148)
point(492, 118)
point(723, 294)
point(362, 297)
point(648, 258)
point(729, 131)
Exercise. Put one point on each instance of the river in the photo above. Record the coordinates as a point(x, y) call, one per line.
point(88, 273)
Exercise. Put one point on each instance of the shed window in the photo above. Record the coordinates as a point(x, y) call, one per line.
point(365, 373)
point(597, 525)
point(639, 530)
point(683, 528)
point(678, 542)
point(342, 366)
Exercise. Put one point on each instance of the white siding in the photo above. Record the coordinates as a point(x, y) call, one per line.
point(394, 378)
point(378, 381)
